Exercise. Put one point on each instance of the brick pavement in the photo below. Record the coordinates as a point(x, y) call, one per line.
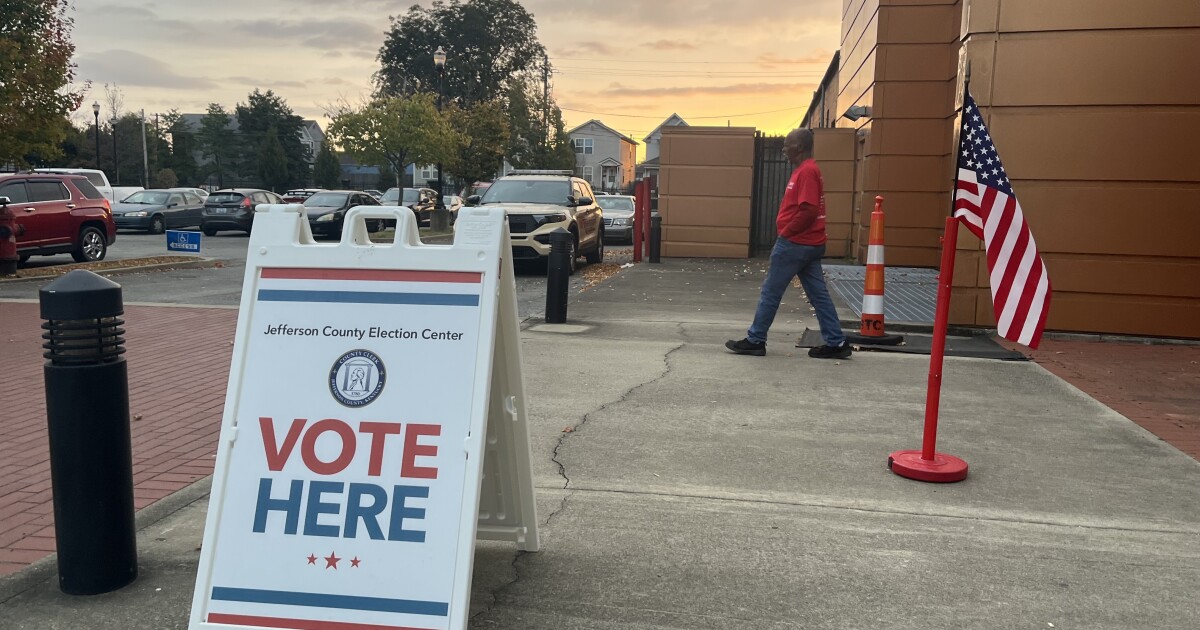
point(1155, 385)
point(178, 360)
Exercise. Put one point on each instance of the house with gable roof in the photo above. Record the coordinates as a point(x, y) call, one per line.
point(604, 156)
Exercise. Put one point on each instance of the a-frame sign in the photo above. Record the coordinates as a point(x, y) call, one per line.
point(374, 425)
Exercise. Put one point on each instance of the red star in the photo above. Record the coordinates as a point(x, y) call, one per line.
point(354, 562)
point(331, 561)
point(312, 559)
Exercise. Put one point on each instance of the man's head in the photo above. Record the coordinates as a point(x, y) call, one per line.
point(798, 145)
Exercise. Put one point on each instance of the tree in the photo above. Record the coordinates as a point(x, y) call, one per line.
point(178, 154)
point(327, 173)
point(489, 43)
point(217, 142)
point(164, 178)
point(395, 131)
point(261, 112)
point(535, 142)
point(35, 77)
point(486, 134)
point(272, 162)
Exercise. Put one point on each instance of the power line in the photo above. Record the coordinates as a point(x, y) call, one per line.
point(742, 63)
point(773, 111)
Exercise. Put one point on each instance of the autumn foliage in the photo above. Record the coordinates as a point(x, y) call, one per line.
point(35, 78)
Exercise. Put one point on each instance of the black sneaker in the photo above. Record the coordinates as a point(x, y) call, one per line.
point(830, 352)
point(745, 346)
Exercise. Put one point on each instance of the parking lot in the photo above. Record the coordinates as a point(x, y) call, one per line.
point(221, 283)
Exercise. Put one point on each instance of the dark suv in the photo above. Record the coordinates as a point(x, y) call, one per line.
point(58, 214)
point(233, 209)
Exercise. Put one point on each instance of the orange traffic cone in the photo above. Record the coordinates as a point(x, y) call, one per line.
point(872, 332)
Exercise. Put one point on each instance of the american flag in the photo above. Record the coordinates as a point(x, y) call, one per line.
point(985, 202)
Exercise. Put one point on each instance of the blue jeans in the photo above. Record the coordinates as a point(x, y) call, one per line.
point(789, 260)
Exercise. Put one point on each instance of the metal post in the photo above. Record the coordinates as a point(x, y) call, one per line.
point(96, 114)
point(558, 276)
point(656, 239)
point(116, 180)
point(440, 220)
point(87, 412)
point(145, 155)
point(640, 203)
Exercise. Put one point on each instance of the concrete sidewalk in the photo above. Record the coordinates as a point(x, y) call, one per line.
point(698, 489)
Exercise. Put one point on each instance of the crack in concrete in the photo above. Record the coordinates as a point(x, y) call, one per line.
point(562, 471)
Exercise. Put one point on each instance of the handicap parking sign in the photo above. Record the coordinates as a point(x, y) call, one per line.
point(181, 241)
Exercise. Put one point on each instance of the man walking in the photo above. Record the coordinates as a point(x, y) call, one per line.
point(798, 252)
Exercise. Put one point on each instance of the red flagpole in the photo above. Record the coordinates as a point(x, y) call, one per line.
point(927, 464)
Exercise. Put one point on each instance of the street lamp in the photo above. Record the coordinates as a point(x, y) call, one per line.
point(441, 219)
point(96, 114)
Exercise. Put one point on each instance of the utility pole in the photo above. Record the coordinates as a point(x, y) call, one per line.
point(546, 98)
point(145, 156)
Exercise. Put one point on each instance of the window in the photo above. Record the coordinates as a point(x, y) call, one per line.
point(15, 191)
point(47, 191)
point(193, 200)
point(585, 172)
point(176, 199)
point(85, 186)
point(428, 172)
point(584, 146)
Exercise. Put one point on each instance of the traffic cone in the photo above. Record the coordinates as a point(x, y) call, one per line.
point(872, 331)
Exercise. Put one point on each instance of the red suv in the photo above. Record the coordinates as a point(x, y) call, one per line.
point(57, 214)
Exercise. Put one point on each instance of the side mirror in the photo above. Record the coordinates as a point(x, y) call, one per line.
point(583, 201)
point(4, 201)
point(473, 200)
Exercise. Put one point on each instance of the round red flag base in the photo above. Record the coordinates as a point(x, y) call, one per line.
point(942, 468)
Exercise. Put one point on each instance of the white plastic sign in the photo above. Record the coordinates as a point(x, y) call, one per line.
point(367, 379)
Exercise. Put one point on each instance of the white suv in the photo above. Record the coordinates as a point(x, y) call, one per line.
point(539, 202)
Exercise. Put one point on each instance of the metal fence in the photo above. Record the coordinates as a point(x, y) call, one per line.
point(771, 172)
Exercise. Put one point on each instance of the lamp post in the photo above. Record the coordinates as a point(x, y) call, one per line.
point(96, 114)
point(116, 164)
point(441, 218)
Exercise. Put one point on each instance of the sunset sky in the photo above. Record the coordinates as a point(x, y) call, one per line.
point(632, 62)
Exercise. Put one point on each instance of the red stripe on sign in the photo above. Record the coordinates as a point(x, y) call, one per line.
point(297, 624)
point(386, 275)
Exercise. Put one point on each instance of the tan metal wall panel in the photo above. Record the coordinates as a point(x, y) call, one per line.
point(838, 175)
point(702, 234)
point(705, 211)
point(906, 173)
point(1122, 314)
point(833, 145)
point(907, 136)
point(911, 209)
point(1097, 144)
point(732, 148)
point(672, 249)
point(1064, 15)
point(917, 62)
point(1099, 68)
point(839, 207)
point(1161, 277)
point(705, 181)
point(919, 24)
point(914, 99)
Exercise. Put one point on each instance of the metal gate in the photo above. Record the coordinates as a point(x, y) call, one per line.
point(771, 173)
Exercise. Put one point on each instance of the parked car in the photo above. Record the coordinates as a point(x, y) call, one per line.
point(233, 209)
point(374, 193)
point(298, 195)
point(420, 200)
point(327, 210)
point(57, 214)
point(199, 192)
point(539, 202)
point(618, 217)
point(98, 179)
point(156, 211)
point(453, 203)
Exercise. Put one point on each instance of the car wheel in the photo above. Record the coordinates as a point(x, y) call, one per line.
point(596, 256)
point(208, 231)
point(157, 225)
point(92, 245)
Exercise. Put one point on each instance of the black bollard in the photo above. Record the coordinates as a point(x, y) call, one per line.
point(558, 276)
point(87, 412)
point(656, 238)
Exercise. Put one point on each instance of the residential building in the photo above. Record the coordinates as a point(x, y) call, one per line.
point(604, 156)
point(653, 138)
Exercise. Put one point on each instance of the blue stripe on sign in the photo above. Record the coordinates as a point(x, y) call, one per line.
point(321, 600)
point(368, 297)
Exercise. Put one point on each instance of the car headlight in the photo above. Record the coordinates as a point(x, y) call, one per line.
point(140, 213)
point(545, 219)
point(622, 221)
point(332, 216)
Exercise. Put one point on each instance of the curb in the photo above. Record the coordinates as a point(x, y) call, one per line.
point(185, 264)
point(45, 569)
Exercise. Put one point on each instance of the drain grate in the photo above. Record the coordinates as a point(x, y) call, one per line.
point(910, 293)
